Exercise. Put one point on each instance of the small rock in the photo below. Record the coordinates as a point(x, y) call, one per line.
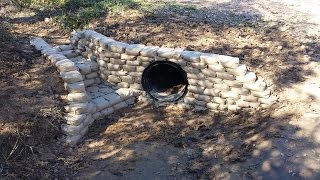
point(310, 53)
point(266, 166)
point(284, 28)
point(302, 47)
point(47, 20)
point(315, 59)
point(306, 58)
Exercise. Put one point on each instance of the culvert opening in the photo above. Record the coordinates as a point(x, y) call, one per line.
point(165, 81)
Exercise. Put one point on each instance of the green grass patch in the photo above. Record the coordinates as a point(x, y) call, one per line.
point(78, 13)
point(5, 35)
point(40, 4)
point(75, 14)
point(80, 16)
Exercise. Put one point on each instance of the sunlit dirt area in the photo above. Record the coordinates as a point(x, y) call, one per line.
point(147, 141)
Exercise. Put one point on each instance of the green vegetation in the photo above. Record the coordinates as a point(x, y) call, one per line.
point(37, 3)
point(78, 13)
point(4, 34)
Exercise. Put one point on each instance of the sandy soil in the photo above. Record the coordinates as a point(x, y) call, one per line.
point(150, 142)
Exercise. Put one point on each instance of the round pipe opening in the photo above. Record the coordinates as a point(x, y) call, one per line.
point(165, 81)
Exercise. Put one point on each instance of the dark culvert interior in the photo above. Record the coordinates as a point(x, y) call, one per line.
point(165, 81)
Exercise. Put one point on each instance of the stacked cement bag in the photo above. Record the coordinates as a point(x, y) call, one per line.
point(219, 82)
point(77, 117)
point(118, 62)
point(87, 100)
point(216, 82)
point(102, 100)
point(88, 67)
point(89, 70)
point(105, 100)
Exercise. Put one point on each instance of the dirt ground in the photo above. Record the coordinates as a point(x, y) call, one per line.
point(151, 142)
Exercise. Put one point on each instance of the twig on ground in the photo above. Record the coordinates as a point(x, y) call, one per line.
point(15, 147)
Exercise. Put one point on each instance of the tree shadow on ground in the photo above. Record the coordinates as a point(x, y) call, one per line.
point(240, 145)
point(245, 144)
point(30, 109)
point(226, 28)
point(261, 45)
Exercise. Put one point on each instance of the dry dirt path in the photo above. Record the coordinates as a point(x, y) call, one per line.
point(299, 16)
point(149, 142)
